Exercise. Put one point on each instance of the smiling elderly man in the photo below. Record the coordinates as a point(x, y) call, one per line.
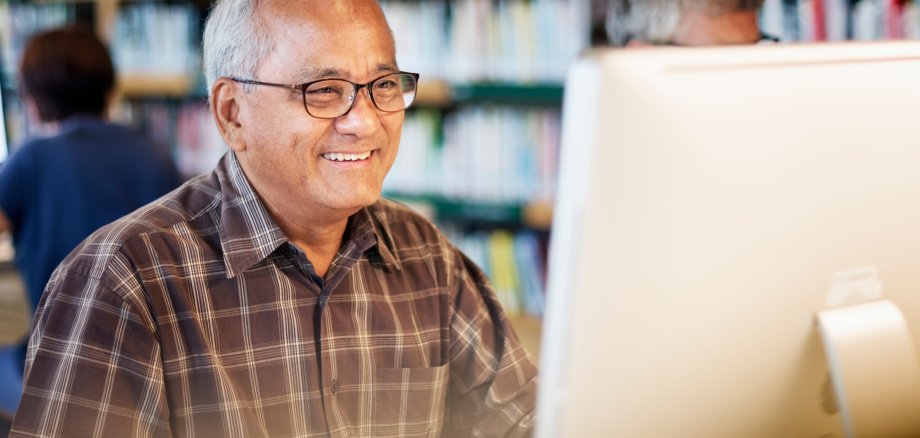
point(279, 295)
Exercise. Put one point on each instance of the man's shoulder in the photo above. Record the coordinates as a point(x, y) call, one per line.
point(31, 147)
point(22, 164)
point(398, 210)
point(409, 232)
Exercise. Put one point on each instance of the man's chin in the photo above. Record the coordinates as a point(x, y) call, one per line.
point(356, 203)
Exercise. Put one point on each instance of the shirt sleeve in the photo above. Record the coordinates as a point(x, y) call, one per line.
point(93, 367)
point(16, 176)
point(493, 377)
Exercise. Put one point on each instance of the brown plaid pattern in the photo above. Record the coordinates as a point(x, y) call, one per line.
point(196, 317)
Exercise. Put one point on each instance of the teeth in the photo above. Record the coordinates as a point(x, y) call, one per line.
point(347, 157)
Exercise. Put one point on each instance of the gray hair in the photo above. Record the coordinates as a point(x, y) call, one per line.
point(234, 42)
point(656, 21)
point(714, 7)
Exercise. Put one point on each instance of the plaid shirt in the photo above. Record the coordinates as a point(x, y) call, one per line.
point(196, 316)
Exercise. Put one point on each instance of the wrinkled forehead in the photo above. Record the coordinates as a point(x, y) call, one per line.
point(340, 34)
point(325, 18)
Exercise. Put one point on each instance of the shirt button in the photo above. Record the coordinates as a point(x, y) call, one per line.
point(335, 386)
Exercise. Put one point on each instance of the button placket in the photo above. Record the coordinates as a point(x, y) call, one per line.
point(334, 388)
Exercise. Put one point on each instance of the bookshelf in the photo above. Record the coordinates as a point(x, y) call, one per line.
point(841, 20)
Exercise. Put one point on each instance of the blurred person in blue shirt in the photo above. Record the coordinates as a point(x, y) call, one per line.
point(55, 190)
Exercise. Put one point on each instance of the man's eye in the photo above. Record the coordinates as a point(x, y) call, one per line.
point(325, 91)
point(386, 84)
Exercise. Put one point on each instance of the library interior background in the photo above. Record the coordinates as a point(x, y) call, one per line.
point(480, 146)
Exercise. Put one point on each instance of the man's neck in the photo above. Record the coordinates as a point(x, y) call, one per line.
point(699, 28)
point(321, 252)
point(317, 230)
point(319, 238)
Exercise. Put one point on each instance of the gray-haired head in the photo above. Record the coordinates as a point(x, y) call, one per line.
point(234, 42)
point(656, 21)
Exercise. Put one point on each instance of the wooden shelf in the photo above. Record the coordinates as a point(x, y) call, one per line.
point(538, 215)
point(146, 85)
point(528, 328)
point(433, 93)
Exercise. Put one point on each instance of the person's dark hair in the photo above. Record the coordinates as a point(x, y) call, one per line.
point(67, 71)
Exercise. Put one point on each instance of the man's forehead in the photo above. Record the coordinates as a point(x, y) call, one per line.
point(342, 10)
point(327, 28)
point(313, 39)
point(311, 72)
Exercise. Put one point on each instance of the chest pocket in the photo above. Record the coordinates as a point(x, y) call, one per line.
point(410, 401)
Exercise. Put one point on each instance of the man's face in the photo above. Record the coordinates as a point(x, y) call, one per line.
point(293, 160)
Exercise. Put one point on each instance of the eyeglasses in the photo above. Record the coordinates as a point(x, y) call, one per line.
point(332, 98)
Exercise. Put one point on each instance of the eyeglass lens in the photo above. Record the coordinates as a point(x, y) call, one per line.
point(334, 97)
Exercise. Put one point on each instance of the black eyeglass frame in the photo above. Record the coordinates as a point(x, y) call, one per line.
point(303, 91)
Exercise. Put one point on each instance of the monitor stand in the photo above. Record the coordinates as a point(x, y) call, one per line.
point(874, 367)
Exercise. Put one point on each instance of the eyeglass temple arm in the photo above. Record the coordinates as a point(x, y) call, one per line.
point(295, 87)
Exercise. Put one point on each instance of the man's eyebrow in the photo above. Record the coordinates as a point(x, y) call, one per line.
point(387, 68)
point(311, 73)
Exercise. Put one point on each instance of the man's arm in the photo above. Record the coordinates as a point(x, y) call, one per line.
point(493, 377)
point(93, 366)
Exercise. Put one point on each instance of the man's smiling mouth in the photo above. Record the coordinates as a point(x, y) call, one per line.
point(347, 157)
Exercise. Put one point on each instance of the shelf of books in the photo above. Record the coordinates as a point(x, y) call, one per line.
point(839, 20)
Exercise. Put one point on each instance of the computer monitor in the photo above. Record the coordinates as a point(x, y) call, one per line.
point(710, 202)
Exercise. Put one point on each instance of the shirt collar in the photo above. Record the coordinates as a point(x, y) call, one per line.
point(248, 234)
point(374, 221)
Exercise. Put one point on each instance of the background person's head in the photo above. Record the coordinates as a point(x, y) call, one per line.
point(683, 22)
point(66, 72)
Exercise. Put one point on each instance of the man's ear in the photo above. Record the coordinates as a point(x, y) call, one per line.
point(225, 106)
